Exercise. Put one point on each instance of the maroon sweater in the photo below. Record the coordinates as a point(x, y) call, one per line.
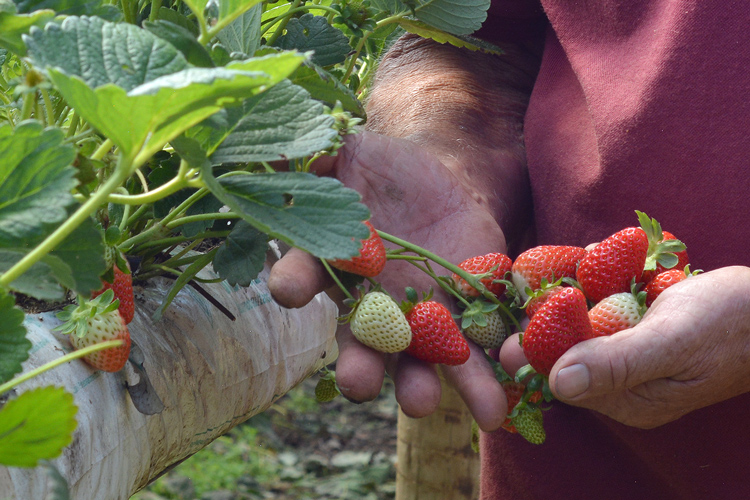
point(639, 104)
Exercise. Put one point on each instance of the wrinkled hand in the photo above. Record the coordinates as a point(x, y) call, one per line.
point(691, 350)
point(414, 196)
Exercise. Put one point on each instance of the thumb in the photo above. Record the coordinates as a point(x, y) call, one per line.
point(608, 365)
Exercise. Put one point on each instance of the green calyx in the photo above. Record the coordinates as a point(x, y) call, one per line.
point(75, 317)
point(660, 251)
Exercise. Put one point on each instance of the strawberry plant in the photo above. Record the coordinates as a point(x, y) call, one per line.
point(164, 136)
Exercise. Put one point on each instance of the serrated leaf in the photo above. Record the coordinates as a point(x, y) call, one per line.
point(323, 86)
point(38, 281)
point(35, 182)
point(183, 40)
point(100, 52)
point(14, 346)
point(36, 426)
point(390, 6)
point(282, 123)
point(82, 253)
point(143, 120)
point(226, 12)
point(14, 25)
point(243, 34)
point(426, 31)
point(316, 214)
point(242, 255)
point(310, 32)
point(459, 17)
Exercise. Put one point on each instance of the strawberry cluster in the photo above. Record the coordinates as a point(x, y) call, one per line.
point(569, 294)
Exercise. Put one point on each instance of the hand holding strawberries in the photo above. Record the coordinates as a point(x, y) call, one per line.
point(412, 194)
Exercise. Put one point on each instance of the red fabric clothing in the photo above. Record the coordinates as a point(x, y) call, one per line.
point(639, 104)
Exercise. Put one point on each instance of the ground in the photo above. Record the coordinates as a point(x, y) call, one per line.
point(298, 449)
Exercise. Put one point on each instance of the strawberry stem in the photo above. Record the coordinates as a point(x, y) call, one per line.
point(57, 362)
point(336, 279)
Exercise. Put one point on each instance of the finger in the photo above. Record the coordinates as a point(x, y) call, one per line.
point(511, 355)
point(477, 385)
point(606, 365)
point(359, 370)
point(417, 385)
point(296, 278)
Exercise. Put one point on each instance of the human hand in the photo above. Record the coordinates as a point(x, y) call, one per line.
point(690, 350)
point(412, 195)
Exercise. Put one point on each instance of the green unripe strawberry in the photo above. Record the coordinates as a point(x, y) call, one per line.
point(378, 322)
point(530, 424)
point(490, 335)
point(326, 389)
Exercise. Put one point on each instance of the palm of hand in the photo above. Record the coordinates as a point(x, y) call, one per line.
point(412, 195)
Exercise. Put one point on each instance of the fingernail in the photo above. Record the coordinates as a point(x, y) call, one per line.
point(572, 381)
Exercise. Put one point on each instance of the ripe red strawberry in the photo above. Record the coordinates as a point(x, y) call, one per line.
point(664, 280)
point(514, 391)
point(435, 335)
point(122, 286)
point(558, 325)
point(613, 264)
point(545, 262)
point(93, 322)
point(682, 261)
point(378, 322)
point(538, 298)
point(371, 259)
point(617, 312)
point(495, 265)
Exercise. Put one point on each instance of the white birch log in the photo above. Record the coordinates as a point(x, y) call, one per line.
point(211, 373)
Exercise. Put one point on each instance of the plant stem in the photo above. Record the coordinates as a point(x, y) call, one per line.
point(358, 49)
point(57, 362)
point(336, 279)
point(284, 20)
point(102, 150)
point(49, 108)
point(202, 217)
point(154, 14)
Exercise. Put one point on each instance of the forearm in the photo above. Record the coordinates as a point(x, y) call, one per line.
point(467, 108)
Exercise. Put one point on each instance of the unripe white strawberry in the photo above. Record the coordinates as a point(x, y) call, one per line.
point(378, 322)
point(490, 336)
point(617, 312)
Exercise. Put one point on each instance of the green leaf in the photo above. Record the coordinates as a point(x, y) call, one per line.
point(14, 346)
point(459, 17)
point(242, 36)
point(228, 10)
point(35, 182)
point(143, 120)
point(311, 32)
point(66, 7)
point(316, 214)
point(183, 40)
point(35, 426)
point(39, 280)
point(13, 26)
point(82, 253)
point(426, 31)
point(242, 255)
point(100, 52)
point(323, 86)
point(188, 274)
point(282, 123)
